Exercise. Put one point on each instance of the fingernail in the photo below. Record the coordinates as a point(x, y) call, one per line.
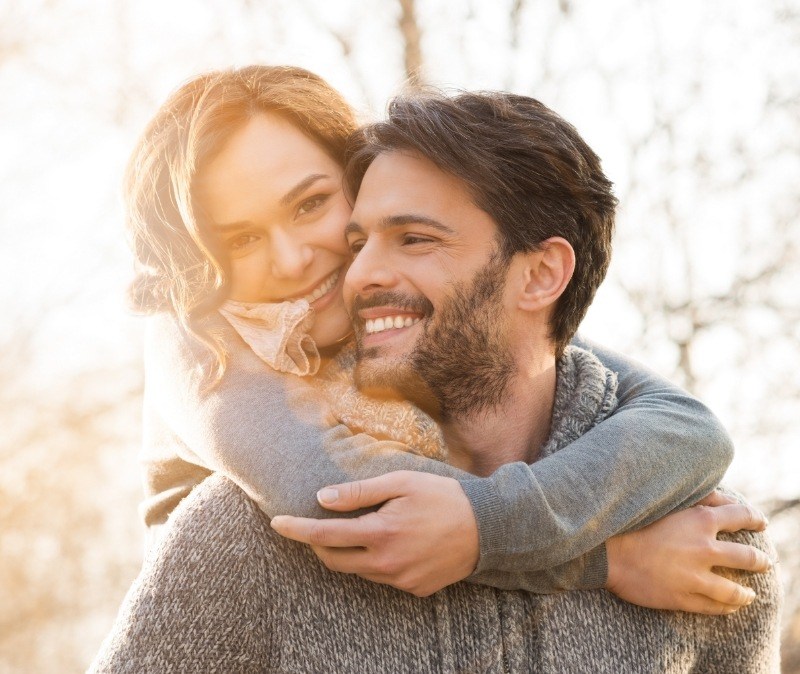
point(750, 597)
point(276, 521)
point(328, 495)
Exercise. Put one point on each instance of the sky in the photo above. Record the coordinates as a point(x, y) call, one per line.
point(85, 77)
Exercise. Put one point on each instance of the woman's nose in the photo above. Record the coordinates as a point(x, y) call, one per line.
point(290, 256)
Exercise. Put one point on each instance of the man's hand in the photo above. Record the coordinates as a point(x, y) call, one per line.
point(423, 538)
point(669, 564)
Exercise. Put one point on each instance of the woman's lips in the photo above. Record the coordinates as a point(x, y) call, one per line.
point(323, 288)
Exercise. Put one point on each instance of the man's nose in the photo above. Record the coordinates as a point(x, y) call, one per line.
point(290, 256)
point(370, 270)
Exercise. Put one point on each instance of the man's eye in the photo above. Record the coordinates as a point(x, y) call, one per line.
point(241, 241)
point(412, 239)
point(311, 204)
point(356, 246)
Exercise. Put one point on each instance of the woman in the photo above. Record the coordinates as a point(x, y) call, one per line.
point(237, 214)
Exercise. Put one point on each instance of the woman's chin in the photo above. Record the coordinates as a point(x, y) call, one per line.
point(330, 330)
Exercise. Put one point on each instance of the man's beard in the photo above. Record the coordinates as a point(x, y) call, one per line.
point(462, 363)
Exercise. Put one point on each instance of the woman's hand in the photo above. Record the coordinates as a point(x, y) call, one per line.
point(423, 538)
point(669, 564)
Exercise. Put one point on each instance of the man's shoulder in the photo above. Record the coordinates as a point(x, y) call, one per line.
point(216, 513)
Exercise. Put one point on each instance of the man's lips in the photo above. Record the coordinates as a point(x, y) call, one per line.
point(381, 312)
point(388, 312)
point(390, 322)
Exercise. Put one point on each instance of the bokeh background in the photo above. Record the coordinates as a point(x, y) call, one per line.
point(694, 106)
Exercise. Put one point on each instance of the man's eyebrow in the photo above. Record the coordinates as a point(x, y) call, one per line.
point(353, 228)
point(400, 221)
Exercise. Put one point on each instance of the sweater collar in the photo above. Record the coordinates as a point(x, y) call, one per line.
point(586, 393)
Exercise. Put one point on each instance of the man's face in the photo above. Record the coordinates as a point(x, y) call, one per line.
point(426, 290)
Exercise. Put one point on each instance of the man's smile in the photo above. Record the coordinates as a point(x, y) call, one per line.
point(387, 325)
point(390, 322)
point(388, 315)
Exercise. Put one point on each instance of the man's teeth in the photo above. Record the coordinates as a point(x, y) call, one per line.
point(323, 288)
point(389, 323)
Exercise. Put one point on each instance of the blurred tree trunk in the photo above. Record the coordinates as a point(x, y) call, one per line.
point(412, 37)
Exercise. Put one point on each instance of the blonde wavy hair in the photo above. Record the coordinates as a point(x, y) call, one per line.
point(177, 267)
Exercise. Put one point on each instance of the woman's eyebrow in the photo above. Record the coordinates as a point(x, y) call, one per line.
point(301, 187)
point(231, 226)
point(285, 200)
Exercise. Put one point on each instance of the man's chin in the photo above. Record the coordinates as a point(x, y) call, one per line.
point(393, 381)
point(376, 378)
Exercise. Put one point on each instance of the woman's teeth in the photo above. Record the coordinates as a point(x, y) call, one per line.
point(389, 323)
point(324, 288)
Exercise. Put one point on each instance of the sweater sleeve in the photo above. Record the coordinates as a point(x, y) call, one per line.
point(660, 450)
point(271, 433)
point(275, 437)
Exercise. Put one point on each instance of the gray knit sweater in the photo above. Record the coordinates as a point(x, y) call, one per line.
point(541, 527)
point(221, 592)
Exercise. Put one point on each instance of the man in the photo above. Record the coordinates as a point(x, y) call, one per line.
point(486, 221)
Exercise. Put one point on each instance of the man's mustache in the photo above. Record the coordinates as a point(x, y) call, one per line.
point(412, 303)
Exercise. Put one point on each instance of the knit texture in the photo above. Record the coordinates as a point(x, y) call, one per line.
point(542, 527)
point(221, 592)
point(224, 593)
point(278, 335)
point(396, 420)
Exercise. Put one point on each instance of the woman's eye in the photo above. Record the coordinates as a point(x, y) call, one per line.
point(241, 241)
point(311, 204)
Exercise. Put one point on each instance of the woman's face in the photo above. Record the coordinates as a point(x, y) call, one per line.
point(273, 199)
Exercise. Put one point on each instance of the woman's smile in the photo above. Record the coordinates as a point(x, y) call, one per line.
point(281, 193)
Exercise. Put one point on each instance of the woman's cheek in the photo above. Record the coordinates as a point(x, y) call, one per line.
point(335, 224)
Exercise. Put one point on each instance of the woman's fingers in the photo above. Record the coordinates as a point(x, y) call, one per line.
point(337, 533)
point(345, 560)
point(702, 604)
point(739, 556)
point(724, 591)
point(364, 493)
point(737, 516)
point(717, 498)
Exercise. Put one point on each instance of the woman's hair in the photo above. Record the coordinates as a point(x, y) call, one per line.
point(177, 267)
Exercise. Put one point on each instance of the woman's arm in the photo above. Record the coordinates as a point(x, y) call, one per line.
point(272, 435)
point(661, 449)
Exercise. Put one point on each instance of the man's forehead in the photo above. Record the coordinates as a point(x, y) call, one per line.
point(402, 182)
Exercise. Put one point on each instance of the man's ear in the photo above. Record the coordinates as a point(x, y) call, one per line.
point(547, 272)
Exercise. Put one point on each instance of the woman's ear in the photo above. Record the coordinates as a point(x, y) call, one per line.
point(547, 272)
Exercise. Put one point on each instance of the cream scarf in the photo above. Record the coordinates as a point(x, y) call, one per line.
point(278, 334)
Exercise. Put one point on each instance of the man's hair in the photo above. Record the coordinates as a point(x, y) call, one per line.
point(523, 164)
